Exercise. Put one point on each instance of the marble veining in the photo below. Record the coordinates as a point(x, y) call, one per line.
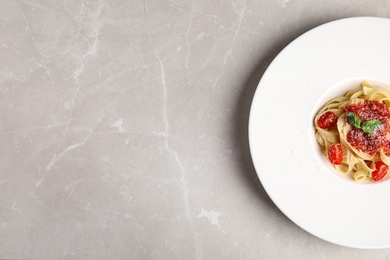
point(123, 128)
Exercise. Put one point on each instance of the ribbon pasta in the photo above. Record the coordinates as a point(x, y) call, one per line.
point(357, 162)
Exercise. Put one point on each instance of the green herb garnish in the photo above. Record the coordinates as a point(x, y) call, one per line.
point(368, 175)
point(353, 119)
point(370, 126)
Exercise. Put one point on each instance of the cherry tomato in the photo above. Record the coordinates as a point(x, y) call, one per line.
point(327, 120)
point(335, 154)
point(380, 171)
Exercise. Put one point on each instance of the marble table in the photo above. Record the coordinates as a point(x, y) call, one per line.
point(124, 128)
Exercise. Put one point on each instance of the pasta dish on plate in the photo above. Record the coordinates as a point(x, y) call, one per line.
point(354, 132)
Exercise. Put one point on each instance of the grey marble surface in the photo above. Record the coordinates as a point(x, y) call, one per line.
point(123, 128)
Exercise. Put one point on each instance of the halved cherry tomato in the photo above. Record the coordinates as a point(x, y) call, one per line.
point(335, 154)
point(327, 120)
point(380, 171)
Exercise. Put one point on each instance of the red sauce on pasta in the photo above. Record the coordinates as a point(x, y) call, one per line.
point(370, 143)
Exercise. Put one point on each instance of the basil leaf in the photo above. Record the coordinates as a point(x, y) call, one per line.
point(370, 126)
point(353, 119)
point(368, 175)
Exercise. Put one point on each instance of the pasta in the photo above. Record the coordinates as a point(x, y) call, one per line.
point(354, 132)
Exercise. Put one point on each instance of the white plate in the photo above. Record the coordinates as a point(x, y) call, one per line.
point(320, 64)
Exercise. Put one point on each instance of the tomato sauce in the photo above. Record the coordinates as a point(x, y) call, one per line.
point(370, 143)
